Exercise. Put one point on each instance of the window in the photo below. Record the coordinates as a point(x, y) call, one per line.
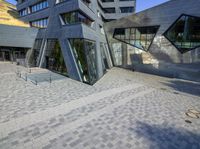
point(184, 34)
point(104, 56)
point(54, 59)
point(85, 55)
point(109, 10)
point(34, 58)
point(127, 9)
point(60, 1)
point(76, 17)
point(23, 12)
point(139, 37)
point(39, 6)
point(42, 23)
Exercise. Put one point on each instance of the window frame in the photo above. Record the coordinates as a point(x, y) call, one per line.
point(181, 50)
point(130, 28)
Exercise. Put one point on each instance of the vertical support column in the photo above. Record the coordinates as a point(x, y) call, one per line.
point(42, 53)
point(99, 60)
point(124, 55)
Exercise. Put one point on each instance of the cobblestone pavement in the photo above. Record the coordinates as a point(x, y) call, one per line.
point(123, 110)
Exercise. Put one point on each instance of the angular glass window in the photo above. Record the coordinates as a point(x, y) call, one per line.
point(184, 34)
point(139, 37)
point(54, 58)
point(85, 55)
point(33, 59)
point(76, 17)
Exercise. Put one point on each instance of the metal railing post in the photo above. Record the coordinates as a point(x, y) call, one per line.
point(50, 78)
point(25, 76)
point(35, 80)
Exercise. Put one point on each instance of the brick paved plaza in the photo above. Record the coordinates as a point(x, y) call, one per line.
point(123, 110)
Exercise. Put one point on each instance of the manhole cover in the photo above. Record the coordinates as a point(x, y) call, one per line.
point(188, 121)
point(194, 111)
point(192, 115)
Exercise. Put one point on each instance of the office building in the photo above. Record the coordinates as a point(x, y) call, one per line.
point(71, 39)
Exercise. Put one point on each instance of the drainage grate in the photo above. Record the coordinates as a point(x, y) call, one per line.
point(194, 111)
point(192, 115)
point(188, 121)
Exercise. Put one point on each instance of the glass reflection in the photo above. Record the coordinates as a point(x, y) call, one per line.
point(85, 55)
point(139, 37)
point(54, 57)
point(185, 33)
point(34, 58)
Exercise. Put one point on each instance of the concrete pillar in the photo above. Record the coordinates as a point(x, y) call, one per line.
point(99, 60)
point(124, 54)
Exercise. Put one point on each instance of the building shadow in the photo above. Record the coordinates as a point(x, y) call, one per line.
point(184, 86)
point(164, 137)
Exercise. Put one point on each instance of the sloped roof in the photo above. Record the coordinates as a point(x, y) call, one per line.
point(9, 15)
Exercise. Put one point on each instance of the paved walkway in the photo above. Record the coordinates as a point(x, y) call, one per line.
point(123, 110)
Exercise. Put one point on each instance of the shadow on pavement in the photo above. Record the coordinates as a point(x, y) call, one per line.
point(164, 137)
point(184, 86)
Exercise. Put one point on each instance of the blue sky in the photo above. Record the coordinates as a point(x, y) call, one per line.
point(141, 4)
point(145, 4)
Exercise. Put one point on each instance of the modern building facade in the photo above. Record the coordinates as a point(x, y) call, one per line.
point(71, 38)
point(16, 37)
point(163, 40)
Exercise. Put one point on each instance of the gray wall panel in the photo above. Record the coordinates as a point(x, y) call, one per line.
point(161, 52)
point(13, 36)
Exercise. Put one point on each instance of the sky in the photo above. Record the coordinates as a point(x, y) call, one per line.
point(12, 1)
point(140, 4)
point(145, 4)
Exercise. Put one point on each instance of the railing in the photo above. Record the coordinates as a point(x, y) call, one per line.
point(34, 80)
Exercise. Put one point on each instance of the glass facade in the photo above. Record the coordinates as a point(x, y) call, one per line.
point(139, 37)
point(42, 23)
point(76, 17)
point(39, 6)
point(117, 53)
point(54, 58)
point(34, 59)
point(23, 12)
point(85, 55)
point(60, 1)
point(104, 56)
point(184, 34)
point(127, 9)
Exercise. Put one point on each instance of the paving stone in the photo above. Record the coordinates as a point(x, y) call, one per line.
point(151, 120)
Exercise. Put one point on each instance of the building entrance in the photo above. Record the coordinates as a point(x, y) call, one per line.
point(7, 56)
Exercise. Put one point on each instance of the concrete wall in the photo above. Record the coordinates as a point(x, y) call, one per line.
point(162, 57)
